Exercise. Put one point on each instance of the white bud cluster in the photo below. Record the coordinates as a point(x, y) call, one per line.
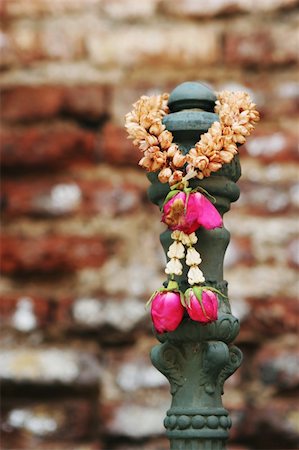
point(176, 252)
point(185, 239)
point(193, 260)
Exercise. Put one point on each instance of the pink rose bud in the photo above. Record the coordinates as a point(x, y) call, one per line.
point(188, 214)
point(167, 311)
point(204, 310)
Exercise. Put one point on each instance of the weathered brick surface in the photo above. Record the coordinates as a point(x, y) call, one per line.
point(51, 253)
point(112, 318)
point(46, 146)
point(133, 375)
point(29, 103)
point(161, 44)
point(29, 425)
point(49, 365)
point(273, 143)
point(80, 246)
point(115, 148)
point(276, 363)
point(255, 196)
point(267, 46)
point(22, 8)
point(66, 196)
point(25, 312)
point(269, 317)
point(195, 8)
point(274, 422)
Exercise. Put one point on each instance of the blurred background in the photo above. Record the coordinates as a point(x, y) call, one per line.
point(80, 241)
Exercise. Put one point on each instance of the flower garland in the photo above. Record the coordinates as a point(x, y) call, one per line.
point(184, 209)
point(237, 116)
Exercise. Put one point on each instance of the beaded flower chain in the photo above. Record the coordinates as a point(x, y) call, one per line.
point(184, 209)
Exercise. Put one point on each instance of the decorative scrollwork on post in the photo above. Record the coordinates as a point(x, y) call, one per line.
point(234, 361)
point(169, 360)
point(215, 356)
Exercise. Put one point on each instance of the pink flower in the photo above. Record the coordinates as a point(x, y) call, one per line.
point(204, 310)
point(187, 215)
point(167, 311)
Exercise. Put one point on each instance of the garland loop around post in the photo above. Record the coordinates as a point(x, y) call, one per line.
point(185, 210)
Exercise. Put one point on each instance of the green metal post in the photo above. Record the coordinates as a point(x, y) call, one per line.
point(197, 358)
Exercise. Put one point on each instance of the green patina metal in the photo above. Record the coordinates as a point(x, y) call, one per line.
point(196, 358)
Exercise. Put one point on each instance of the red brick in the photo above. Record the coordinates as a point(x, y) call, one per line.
point(122, 317)
point(63, 313)
point(51, 253)
point(238, 252)
point(270, 317)
point(265, 199)
point(25, 103)
point(67, 195)
point(272, 424)
point(36, 42)
point(159, 45)
point(57, 312)
point(293, 253)
point(71, 364)
point(272, 45)
point(276, 364)
point(115, 148)
point(41, 309)
point(54, 421)
point(128, 9)
point(28, 103)
point(54, 145)
point(89, 103)
point(277, 99)
point(271, 144)
point(228, 7)
point(36, 8)
point(24, 44)
point(8, 56)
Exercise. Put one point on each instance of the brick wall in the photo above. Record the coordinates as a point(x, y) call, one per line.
point(77, 270)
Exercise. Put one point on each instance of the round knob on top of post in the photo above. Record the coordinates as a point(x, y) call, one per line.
point(192, 95)
point(191, 113)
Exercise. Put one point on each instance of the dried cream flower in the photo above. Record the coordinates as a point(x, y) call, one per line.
point(193, 238)
point(171, 151)
point(193, 257)
point(157, 128)
point(165, 174)
point(185, 239)
point(174, 267)
point(176, 250)
point(195, 275)
point(165, 139)
point(175, 177)
point(178, 159)
point(175, 235)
